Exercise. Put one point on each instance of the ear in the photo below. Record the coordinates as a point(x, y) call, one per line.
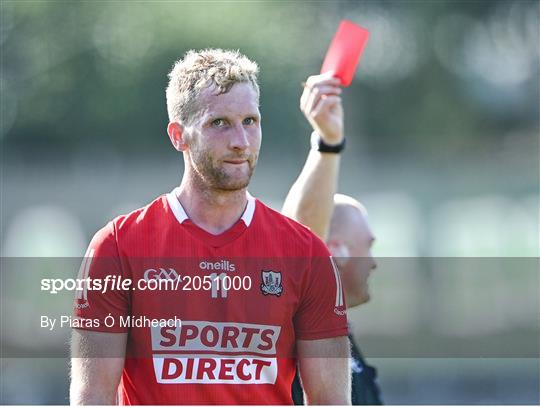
point(340, 252)
point(176, 134)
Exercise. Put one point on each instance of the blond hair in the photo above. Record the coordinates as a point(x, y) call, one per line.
point(203, 68)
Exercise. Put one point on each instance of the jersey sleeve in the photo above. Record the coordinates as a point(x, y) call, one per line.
point(322, 312)
point(99, 303)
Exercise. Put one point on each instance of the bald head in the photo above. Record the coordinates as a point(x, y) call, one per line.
point(350, 239)
point(349, 219)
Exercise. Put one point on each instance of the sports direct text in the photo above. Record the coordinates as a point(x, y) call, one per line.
point(215, 352)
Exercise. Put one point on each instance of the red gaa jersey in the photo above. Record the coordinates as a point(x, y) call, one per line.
point(211, 319)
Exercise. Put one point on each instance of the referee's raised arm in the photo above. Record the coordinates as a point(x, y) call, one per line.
point(338, 219)
point(310, 200)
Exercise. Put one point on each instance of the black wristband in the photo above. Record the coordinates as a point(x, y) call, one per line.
point(325, 148)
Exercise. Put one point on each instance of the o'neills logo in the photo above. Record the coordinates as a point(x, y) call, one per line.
point(224, 265)
point(215, 352)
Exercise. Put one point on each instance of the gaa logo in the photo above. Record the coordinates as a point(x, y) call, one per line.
point(161, 274)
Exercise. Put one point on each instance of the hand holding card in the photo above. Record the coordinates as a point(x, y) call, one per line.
point(345, 51)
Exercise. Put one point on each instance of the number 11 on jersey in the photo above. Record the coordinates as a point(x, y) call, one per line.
point(217, 285)
point(222, 283)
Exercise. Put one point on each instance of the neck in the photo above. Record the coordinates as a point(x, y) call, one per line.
point(212, 210)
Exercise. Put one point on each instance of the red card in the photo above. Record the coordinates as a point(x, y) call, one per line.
point(345, 50)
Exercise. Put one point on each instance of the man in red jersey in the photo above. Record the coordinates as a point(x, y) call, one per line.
point(254, 290)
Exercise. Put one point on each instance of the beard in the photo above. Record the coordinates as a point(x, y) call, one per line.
point(215, 175)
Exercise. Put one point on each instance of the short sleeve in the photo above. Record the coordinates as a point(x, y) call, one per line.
point(322, 312)
point(99, 302)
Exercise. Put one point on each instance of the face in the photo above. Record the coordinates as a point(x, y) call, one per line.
point(225, 138)
point(356, 271)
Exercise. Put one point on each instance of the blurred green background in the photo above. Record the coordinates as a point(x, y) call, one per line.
point(442, 120)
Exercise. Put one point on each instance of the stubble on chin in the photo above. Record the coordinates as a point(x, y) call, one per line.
point(215, 177)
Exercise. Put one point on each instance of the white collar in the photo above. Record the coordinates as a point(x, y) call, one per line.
point(181, 215)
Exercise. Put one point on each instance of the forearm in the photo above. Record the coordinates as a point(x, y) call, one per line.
point(97, 362)
point(83, 394)
point(326, 380)
point(310, 200)
point(330, 389)
point(94, 381)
